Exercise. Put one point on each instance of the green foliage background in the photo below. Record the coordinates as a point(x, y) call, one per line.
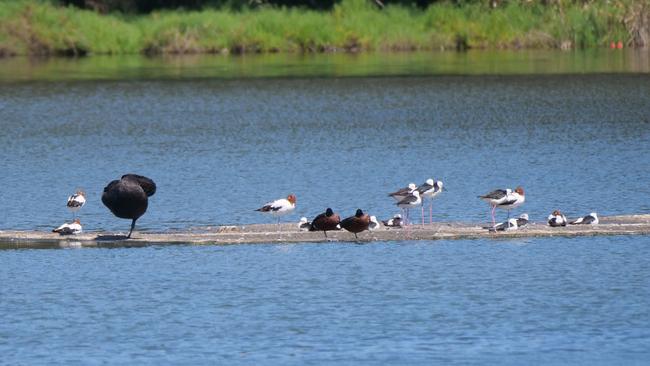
point(32, 27)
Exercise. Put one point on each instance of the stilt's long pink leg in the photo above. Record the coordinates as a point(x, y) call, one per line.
point(493, 219)
point(408, 224)
point(422, 213)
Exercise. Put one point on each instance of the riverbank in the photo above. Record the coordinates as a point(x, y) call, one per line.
point(29, 27)
point(289, 233)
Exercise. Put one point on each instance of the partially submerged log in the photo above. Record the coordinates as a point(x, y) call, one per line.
point(290, 233)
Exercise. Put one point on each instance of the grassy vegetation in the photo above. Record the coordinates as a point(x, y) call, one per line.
point(32, 27)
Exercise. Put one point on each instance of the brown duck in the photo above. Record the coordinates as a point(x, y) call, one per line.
point(357, 223)
point(325, 222)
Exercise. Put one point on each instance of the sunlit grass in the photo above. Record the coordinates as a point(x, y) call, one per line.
point(36, 27)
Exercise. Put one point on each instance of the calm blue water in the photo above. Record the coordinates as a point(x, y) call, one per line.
point(538, 301)
point(220, 147)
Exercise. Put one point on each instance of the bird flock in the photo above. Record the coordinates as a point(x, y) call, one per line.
point(127, 198)
point(413, 196)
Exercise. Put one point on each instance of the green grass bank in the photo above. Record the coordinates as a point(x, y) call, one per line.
point(32, 27)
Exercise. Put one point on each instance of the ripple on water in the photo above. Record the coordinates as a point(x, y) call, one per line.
point(220, 148)
point(581, 299)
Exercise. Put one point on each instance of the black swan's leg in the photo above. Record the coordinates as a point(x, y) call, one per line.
point(132, 226)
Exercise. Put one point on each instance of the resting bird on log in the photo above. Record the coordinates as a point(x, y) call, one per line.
point(357, 223)
point(68, 229)
point(557, 219)
point(128, 197)
point(591, 219)
point(326, 221)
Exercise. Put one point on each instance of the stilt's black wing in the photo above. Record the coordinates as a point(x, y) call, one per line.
point(495, 195)
point(424, 187)
point(401, 192)
point(407, 200)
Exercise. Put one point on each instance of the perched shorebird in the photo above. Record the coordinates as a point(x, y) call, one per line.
point(69, 229)
point(505, 199)
point(304, 224)
point(374, 224)
point(279, 207)
point(430, 190)
point(495, 198)
point(522, 220)
point(76, 202)
point(557, 219)
point(591, 219)
point(395, 221)
point(402, 193)
point(325, 222)
point(511, 224)
point(128, 198)
point(410, 201)
point(357, 223)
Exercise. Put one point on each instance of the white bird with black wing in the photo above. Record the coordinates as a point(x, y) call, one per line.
point(522, 220)
point(69, 228)
point(304, 224)
point(280, 207)
point(402, 193)
point(409, 202)
point(76, 202)
point(374, 224)
point(511, 224)
point(505, 199)
point(395, 221)
point(430, 190)
point(591, 219)
point(557, 219)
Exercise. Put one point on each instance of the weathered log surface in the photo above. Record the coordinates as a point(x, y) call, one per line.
point(289, 233)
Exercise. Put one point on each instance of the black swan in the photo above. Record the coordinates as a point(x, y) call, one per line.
point(128, 197)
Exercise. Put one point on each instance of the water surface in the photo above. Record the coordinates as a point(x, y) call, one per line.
point(222, 136)
point(522, 62)
point(220, 148)
point(538, 301)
